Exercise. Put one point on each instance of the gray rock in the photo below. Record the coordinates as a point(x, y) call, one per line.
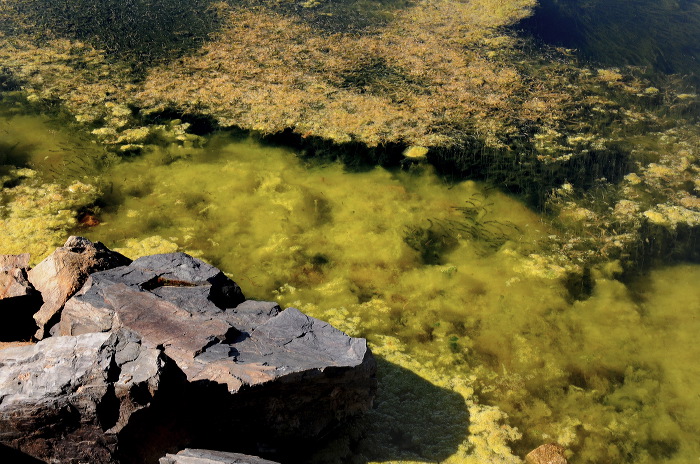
point(169, 300)
point(68, 399)
point(182, 270)
point(271, 375)
point(63, 272)
point(198, 456)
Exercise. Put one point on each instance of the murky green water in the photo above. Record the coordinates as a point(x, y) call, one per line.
point(497, 327)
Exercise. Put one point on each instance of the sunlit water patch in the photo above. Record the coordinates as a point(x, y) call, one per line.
point(485, 349)
point(489, 343)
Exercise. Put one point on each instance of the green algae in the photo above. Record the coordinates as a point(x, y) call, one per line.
point(47, 176)
point(498, 329)
point(490, 329)
point(485, 348)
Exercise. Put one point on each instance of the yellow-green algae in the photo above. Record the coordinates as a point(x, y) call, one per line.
point(466, 295)
point(39, 207)
point(489, 329)
point(483, 353)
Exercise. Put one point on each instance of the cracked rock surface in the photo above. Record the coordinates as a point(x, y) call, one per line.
point(273, 376)
point(204, 323)
point(165, 352)
point(67, 399)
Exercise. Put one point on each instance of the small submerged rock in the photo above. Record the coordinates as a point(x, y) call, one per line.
point(550, 453)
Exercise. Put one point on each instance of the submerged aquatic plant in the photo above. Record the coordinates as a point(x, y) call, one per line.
point(476, 225)
point(519, 325)
point(36, 217)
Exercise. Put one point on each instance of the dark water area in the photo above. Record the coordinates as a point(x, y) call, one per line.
point(141, 32)
point(661, 35)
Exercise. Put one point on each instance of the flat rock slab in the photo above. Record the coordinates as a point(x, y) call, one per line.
point(63, 272)
point(260, 378)
point(67, 399)
point(205, 324)
point(199, 456)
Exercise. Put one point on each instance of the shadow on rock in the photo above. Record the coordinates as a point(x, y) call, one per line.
point(13, 456)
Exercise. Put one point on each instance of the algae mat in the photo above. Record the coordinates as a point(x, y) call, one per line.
point(497, 328)
point(486, 347)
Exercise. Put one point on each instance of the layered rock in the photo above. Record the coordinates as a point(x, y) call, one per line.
point(63, 272)
point(166, 352)
point(274, 376)
point(67, 399)
point(198, 456)
point(205, 324)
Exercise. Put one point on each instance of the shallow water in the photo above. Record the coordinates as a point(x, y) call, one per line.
point(661, 35)
point(473, 326)
point(494, 328)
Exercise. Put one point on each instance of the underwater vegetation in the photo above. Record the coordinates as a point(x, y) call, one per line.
point(510, 263)
point(484, 335)
point(487, 342)
point(141, 32)
point(435, 75)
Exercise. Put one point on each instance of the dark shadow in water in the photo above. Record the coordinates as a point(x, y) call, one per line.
point(13, 155)
point(142, 31)
point(336, 15)
point(662, 35)
point(518, 171)
point(199, 124)
point(355, 156)
point(660, 245)
point(515, 171)
point(412, 419)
